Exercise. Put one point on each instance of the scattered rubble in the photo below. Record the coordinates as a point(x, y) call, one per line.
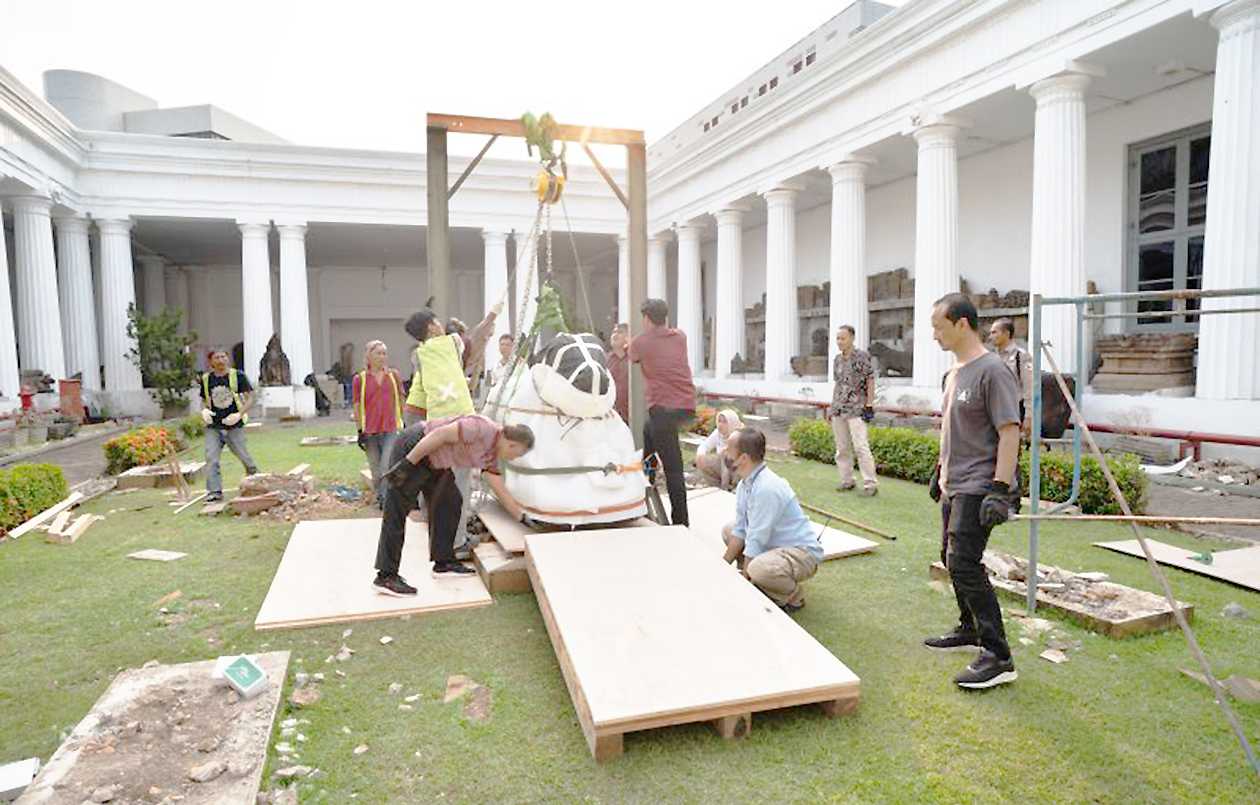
point(1235, 610)
point(1222, 471)
point(1054, 655)
point(205, 772)
point(291, 772)
point(395, 687)
point(360, 749)
point(386, 640)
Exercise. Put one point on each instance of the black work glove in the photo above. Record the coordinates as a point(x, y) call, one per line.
point(995, 509)
point(934, 484)
point(361, 441)
point(868, 413)
point(400, 476)
point(529, 522)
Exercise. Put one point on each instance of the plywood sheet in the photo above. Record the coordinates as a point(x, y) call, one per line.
point(326, 573)
point(710, 509)
point(1240, 566)
point(156, 555)
point(645, 643)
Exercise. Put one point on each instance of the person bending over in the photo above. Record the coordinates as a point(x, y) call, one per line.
point(422, 462)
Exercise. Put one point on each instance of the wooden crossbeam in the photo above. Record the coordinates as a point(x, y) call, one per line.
point(464, 124)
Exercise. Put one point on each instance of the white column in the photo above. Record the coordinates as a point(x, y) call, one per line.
point(118, 292)
point(1229, 344)
point(78, 302)
point(848, 253)
point(728, 320)
point(154, 283)
point(177, 294)
point(1057, 264)
point(295, 307)
point(496, 282)
point(783, 323)
point(656, 287)
point(690, 316)
point(200, 301)
point(255, 296)
point(9, 377)
point(935, 243)
point(623, 279)
point(38, 315)
point(526, 298)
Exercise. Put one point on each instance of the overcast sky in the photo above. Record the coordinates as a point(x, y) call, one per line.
point(362, 73)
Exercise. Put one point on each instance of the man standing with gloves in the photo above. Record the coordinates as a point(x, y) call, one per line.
point(852, 408)
point(226, 397)
point(976, 484)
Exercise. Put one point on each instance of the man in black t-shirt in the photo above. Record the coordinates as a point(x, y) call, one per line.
point(975, 482)
point(226, 397)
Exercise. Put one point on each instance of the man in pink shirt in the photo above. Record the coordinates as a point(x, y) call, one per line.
point(661, 352)
point(421, 462)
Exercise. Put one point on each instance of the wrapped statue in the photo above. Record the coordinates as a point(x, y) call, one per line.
point(273, 369)
point(584, 467)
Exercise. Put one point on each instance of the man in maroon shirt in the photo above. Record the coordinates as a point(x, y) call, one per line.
point(661, 352)
point(619, 368)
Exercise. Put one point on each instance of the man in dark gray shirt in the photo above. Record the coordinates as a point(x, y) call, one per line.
point(975, 482)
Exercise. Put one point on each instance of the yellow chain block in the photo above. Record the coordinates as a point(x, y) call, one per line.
point(548, 186)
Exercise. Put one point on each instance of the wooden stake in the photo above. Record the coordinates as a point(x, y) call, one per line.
point(47, 514)
point(1141, 518)
point(190, 502)
point(848, 521)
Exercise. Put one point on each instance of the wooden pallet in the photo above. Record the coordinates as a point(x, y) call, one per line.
point(500, 571)
point(651, 628)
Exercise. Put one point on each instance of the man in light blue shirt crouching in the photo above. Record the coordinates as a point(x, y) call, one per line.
point(771, 539)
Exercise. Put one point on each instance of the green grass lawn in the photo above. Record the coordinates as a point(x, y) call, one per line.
point(1117, 723)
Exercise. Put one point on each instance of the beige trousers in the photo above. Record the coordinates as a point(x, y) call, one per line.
point(714, 468)
point(850, 435)
point(779, 572)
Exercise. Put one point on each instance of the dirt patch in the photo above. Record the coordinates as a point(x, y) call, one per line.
point(165, 734)
point(321, 505)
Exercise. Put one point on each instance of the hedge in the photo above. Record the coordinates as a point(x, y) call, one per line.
point(139, 447)
point(28, 489)
point(912, 455)
point(192, 426)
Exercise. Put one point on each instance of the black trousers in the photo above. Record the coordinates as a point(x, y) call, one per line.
point(963, 541)
point(441, 497)
point(660, 436)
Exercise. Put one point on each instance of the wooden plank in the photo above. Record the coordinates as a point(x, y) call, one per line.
point(211, 509)
point(59, 523)
point(500, 571)
point(155, 555)
point(326, 572)
point(507, 532)
point(638, 639)
point(734, 726)
point(196, 498)
point(299, 470)
point(466, 124)
point(72, 533)
point(47, 514)
point(1238, 566)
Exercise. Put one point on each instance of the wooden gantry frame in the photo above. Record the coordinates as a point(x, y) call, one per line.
point(633, 198)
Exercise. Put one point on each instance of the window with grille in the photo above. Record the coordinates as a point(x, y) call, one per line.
point(1168, 180)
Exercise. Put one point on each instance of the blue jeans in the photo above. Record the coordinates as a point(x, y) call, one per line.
point(216, 438)
point(377, 446)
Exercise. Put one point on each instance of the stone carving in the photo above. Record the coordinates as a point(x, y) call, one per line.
point(818, 341)
point(273, 369)
point(895, 362)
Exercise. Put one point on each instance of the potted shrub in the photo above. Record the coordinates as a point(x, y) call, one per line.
point(164, 357)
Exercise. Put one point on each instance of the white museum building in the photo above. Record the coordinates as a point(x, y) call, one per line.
point(1046, 146)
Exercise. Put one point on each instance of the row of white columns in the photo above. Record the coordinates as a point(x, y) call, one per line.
point(56, 299)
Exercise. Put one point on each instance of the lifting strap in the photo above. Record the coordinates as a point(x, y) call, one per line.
point(611, 468)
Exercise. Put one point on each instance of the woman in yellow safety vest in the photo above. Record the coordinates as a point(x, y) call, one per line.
point(377, 403)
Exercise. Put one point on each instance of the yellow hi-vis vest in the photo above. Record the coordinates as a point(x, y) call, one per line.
point(362, 407)
point(236, 398)
point(439, 385)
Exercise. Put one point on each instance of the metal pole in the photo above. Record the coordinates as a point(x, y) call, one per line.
point(1034, 452)
point(437, 234)
point(636, 167)
point(1180, 616)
